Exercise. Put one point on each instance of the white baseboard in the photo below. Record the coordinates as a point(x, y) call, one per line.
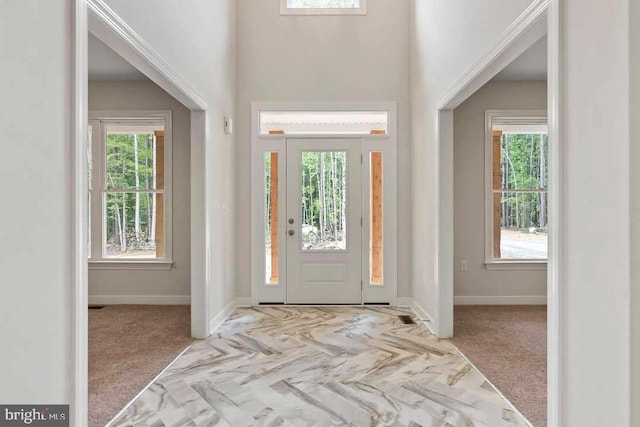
point(420, 312)
point(219, 318)
point(139, 300)
point(501, 300)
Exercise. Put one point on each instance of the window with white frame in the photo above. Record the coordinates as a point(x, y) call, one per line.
point(517, 176)
point(129, 163)
point(277, 123)
point(323, 7)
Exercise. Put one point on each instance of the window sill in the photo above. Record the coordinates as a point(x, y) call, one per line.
point(515, 265)
point(130, 265)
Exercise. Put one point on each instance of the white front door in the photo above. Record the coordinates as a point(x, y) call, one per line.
point(324, 221)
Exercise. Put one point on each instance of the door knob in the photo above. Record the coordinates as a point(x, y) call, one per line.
point(290, 220)
point(291, 232)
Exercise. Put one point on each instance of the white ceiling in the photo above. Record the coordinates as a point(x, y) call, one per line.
point(531, 65)
point(106, 65)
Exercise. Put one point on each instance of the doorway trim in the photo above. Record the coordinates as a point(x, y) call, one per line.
point(113, 31)
point(277, 143)
point(104, 23)
point(527, 29)
point(79, 394)
point(541, 17)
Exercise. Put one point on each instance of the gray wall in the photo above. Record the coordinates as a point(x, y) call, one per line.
point(148, 96)
point(36, 168)
point(469, 131)
point(635, 212)
point(198, 40)
point(321, 58)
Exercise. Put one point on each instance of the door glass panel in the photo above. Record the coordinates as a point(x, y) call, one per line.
point(323, 210)
point(376, 259)
point(271, 218)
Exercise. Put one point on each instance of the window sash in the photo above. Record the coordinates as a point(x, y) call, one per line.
point(99, 122)
point(503, 117)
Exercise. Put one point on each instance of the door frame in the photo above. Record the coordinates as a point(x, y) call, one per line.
point(260, 144)
point(113, 31)
point(541, 17)
point(96, 17)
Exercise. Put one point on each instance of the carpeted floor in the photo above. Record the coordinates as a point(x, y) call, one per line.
point(128, 347)
point(508, 344)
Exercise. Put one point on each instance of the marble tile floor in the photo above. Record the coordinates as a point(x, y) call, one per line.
point(320, 366)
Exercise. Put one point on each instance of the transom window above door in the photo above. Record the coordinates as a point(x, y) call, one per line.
point(323, 7)
point(303, 123)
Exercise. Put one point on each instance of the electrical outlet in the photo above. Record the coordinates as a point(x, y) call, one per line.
point(464, 265)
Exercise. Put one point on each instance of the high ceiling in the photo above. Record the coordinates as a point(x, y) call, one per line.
point(106, 65)
point(531, 65)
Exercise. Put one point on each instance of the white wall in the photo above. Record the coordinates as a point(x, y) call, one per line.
point(469, 193)
point(595, 216)
point(446, 38)
point(198, 41)
point(321, 58)
point(145, 95)
point(635, 211)
point(35, 219)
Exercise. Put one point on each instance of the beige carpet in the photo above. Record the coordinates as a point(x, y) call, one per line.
point(508, 344)
point(128, 347)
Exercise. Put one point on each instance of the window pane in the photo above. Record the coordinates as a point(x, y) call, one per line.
point(134, 157)
point(524, 162)
point(523, 225)
point(271, 217)
point(324, 184)
point(135, 225)
point(324, 122)
point(323, 4)
point(376, 220)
